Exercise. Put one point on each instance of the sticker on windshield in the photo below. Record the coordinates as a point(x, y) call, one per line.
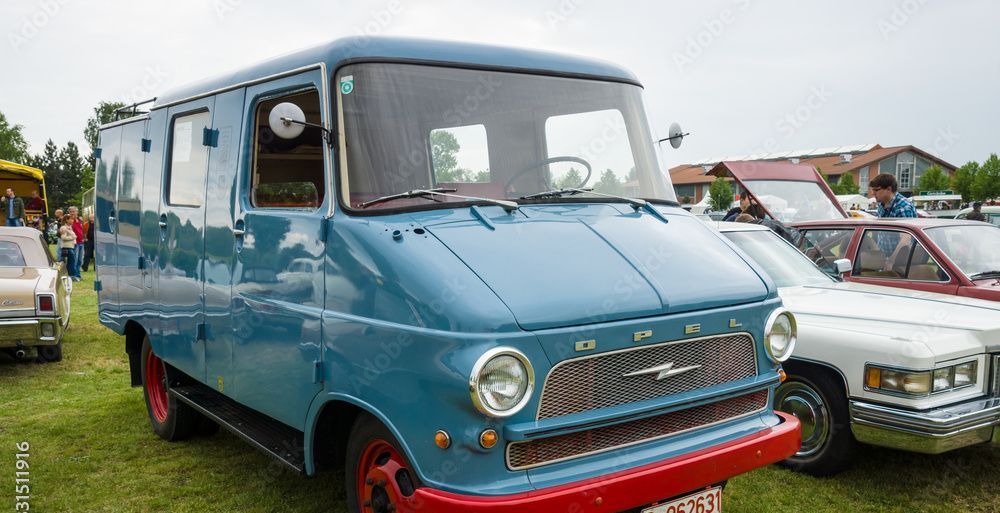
point(347, 84)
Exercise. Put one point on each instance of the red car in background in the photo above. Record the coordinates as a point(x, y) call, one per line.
point(948, 256)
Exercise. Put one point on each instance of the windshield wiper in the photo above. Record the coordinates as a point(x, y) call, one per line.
point(984, 275)
point(430, 193)
point(635, 203)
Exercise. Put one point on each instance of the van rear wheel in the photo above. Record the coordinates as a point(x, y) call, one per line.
point(377, 475)
point(171, 419)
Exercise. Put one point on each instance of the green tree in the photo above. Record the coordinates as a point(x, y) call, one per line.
point(846, 185)
point(609, 183)
point(986, 184)
point(13, 146)
point(65, 171)
point(571, 180)
point(721, 193)
point(934, 179)
point(103, 113)
point(444, 147)
point(961, 181)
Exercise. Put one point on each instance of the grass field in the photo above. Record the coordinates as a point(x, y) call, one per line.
point(92, 451)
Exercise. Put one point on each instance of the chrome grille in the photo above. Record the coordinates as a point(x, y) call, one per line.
point(524, 455)
point(598, 381)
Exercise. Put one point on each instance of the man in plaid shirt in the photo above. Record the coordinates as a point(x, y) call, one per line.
point(890, 202)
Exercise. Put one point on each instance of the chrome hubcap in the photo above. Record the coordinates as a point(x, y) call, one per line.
point(801, 401)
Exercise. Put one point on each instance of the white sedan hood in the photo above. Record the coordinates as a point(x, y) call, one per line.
point(921, 325)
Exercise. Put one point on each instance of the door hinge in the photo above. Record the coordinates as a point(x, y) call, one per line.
point(97, 153)
point(97, 285)
point(317, 371)
point(146, 145)
point(142, 263)
point(201, 331)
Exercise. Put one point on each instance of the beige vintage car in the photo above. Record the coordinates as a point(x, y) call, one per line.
point(34, 296)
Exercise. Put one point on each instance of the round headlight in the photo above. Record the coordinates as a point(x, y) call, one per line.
point(780, 333)
point(501, 382)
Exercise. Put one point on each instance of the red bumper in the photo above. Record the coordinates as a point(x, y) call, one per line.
point(635, 487)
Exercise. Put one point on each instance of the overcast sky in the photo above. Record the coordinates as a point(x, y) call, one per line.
point(744, 76)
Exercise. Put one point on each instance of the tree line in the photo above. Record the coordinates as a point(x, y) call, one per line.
point(68, 171)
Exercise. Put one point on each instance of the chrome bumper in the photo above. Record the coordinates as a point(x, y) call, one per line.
point(27, 332)
point(930, 431)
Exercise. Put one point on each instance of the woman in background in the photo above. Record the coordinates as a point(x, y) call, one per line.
point(67, 242)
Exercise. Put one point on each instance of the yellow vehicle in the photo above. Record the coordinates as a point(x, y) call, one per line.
point(24, 180)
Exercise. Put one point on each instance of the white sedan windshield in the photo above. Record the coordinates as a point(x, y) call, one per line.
point(785, 264)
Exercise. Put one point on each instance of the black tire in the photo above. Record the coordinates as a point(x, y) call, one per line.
point(366, 434)
point(50, 354)
point(820, 403)
point(171, 419)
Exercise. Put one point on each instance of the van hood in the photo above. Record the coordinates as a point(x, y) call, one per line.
point(567, 265)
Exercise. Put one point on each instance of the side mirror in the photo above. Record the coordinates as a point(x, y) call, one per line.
point(843, 266)
point(287, 120)
point(675, 136)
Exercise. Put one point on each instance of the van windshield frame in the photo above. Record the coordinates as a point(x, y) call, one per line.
point(386, 114)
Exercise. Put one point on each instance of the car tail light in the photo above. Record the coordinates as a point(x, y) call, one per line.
point(46, 304)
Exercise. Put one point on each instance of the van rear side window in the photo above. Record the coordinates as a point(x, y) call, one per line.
point(288, 173)
point(188, 160)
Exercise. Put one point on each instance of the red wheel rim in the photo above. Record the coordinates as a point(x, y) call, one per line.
point(378, 491)
point(156, 387)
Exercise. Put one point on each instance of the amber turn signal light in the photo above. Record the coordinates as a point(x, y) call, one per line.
point(782, 376)
point(488, 439)
point(873, 377)
point(442, 440)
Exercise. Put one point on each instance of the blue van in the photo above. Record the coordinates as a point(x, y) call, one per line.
point(455, 271)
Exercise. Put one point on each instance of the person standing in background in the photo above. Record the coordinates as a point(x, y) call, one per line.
point(55, 226)
point(890, 202)
point(977, 212)
point(67, 240)
point(74, 214)
point(88, 244)
point(13, 208)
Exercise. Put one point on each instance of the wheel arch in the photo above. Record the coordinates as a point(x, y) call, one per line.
point(805, 367)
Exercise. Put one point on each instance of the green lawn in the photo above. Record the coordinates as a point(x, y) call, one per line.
point(92, 451)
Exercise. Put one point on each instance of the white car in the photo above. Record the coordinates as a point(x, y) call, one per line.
point(880, 365)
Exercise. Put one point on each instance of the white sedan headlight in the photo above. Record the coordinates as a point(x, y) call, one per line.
point(501, 382)
point(780, 333)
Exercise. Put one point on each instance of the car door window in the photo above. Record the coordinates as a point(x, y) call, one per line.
point(893, 254)
point(824, 247)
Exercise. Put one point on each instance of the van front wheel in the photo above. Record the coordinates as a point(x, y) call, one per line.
point(377, 476)
point(171, 419)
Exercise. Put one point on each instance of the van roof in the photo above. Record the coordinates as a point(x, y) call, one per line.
point(362, 48)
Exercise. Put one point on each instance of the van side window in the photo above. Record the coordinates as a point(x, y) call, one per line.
point(288, 173)
point(188, 160)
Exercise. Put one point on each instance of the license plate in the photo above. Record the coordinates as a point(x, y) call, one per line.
point(706, 501)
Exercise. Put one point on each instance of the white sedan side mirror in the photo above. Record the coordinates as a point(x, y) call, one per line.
point(843, 265)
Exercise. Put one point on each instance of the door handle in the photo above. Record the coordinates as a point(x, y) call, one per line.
point(238, 232)
point(163, 224)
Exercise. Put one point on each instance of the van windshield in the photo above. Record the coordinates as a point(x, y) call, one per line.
point(489, 134)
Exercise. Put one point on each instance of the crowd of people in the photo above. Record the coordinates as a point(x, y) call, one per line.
point(73, 235)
